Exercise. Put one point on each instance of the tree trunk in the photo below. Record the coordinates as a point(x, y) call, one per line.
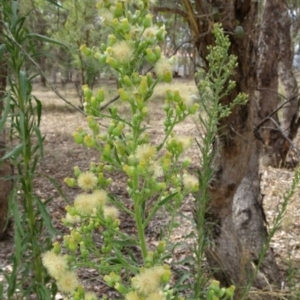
point(290, 112)
point(235, 205)
point(267, 81)
point(276, 58)
point(5, 167)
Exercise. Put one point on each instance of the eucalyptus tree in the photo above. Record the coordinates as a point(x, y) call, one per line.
point(239, 250)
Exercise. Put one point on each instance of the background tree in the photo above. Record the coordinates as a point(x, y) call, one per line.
point(235, 206)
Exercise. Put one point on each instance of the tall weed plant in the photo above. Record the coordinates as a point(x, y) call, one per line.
point(23, 114)
point(156, 173)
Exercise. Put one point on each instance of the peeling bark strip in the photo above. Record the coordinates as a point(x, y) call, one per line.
point(235, 205)
point(5, 167)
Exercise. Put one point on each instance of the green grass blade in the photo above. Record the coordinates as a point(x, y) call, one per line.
point(13, 153)
point(45, 216)
point(40, 140)
point(44, 38)
point(6, 111)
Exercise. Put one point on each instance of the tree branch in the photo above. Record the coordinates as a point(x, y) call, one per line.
point(171, 10)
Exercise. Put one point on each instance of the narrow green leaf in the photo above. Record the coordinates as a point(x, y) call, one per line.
point(183, 278)
point(12, 280)
point(23, 85)
point(127, 243)
point(40, 140)
point(117, 156)
point(60, 191)
point(21, 127)
point(45, 215)
point(47, 39)
point(14, 12)
point(55, 3)
point(34, 163)
point(167, 199)
point(39, 109)
point(6, 111)
point(13, 153)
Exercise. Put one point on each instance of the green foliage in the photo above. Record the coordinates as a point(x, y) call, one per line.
point(154, 174)
point(23, 111)
point(215, 292)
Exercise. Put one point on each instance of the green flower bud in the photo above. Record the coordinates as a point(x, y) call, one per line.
point(161, 33)
point(165, 278)
point(144, 111)
point(161, 247)
point(115, 22)
point(97, 55)
point(123, 94)
point(56, 248)
point(149, 259)
point(130, 171)
point(157, 52)
point(72, 245)
point(125, 26)
point(147, 22)
point(214, 285)
point(143, 87)
point(230, 291)
point(100, 57)
point(149, 79)
point(89, 141)
point(71, 210)
point(193, 109)
point(107, 151)
point(77, 171)
point(136, 78)
point(186, 163)
point(177, 97)
point(87, 92)
point(127, 81)
point(118, 12)
point(211, 295)
point(111, 40)
point(170, 95)
point(85, 50)
point(109, 281)
point(77, 236)
point(120, 288)
point(150, 56)
point(71, 182)
point(112, 62)
point(100, 96)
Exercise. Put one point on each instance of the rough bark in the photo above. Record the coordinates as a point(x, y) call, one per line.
point(267, 80)
point(235, 206)
point(276, 59)
point(5, 167)
point(290, 112)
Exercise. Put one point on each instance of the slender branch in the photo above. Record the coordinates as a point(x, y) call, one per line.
point(283, 135)
point(109, 102)
point(276, 109)
point(172, 10)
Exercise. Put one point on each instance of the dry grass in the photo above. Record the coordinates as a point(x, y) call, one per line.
point(61, 154)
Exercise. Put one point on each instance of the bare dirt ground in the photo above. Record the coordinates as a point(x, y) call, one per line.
point(62, 154)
